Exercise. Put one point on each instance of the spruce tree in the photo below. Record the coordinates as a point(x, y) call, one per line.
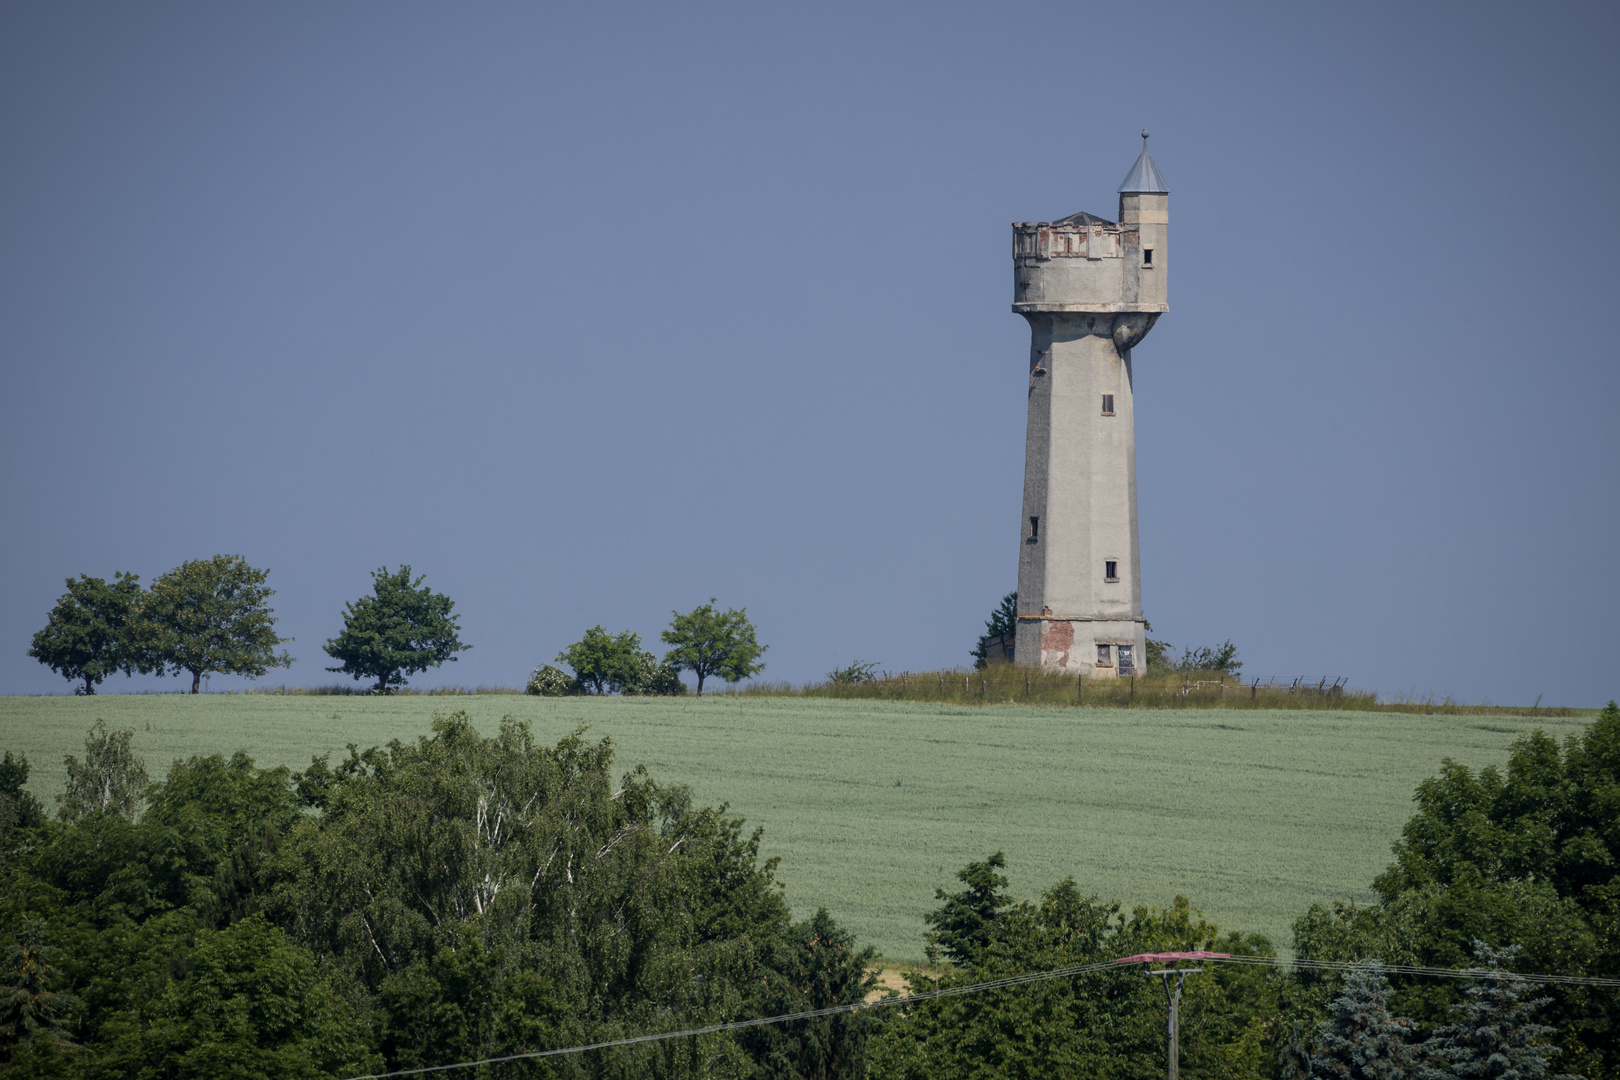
point(1360, 1040)
point(1493, 1036)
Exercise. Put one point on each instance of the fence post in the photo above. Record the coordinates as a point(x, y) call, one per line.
point(1133, 689)
point(1080, 690)
point(1026, 687)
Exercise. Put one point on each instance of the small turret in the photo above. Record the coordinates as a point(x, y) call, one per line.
point(1144, 201)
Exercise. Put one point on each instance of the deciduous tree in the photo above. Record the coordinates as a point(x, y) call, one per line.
point(709, 642)
point(402, 628)
point(111, 778)
point(87, 635)
point(604, 662)
point(209, 616)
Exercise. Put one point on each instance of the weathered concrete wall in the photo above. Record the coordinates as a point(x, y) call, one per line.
point(1089, 299)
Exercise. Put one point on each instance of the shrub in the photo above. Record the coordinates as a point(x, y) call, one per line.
point(650, 677)
point(551, 681)
point(857, 671)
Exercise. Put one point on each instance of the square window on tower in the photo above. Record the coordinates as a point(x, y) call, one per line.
point(1108, 404)
point(1104, 656)
point(1110, 570)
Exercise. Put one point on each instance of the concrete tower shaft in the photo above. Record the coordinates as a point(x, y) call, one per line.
point(1091, 289)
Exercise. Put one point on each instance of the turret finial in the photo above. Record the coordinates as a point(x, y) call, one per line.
point(1144, 139)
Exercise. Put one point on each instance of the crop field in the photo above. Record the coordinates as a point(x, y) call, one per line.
point(871, 805)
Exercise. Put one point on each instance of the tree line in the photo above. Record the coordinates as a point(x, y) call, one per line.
point(463, 897)
point(705, 641)
point(212, 616)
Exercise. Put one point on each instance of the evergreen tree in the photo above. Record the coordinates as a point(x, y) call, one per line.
point(968, 921)
point(1360, 1040)
point(1294, 1059)
point(1493, 1037)
point(1003, 620)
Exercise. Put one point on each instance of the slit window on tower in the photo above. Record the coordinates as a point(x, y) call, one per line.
point(1111, 570)
point(1034, 529)
point(1147, 256)
point(1108, 404)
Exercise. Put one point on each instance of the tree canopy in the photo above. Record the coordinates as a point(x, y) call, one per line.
point(401, 629)
point(604, 662)
point(456, 897)
point(209, 616)
point(708, 642)
point(1526, 856)
point(1106, 1024)
point(87, 635)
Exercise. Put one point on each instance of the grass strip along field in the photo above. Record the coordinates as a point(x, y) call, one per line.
point(871, 805)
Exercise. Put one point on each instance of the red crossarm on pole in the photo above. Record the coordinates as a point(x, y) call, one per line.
point(1148, 957)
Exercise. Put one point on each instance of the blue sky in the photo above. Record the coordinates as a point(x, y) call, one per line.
point(589, 312)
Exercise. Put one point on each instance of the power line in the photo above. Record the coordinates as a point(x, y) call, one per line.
point(1433, 972)
point(735, 1025)
point(997, 984)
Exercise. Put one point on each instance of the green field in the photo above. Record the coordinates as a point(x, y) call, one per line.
point(872, 805)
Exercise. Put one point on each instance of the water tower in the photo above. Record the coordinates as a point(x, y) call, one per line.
point(1091, 290)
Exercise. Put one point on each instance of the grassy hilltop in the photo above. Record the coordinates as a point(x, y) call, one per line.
point(871, 805)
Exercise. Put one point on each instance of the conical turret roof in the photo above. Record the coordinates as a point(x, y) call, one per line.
point(1144, 178)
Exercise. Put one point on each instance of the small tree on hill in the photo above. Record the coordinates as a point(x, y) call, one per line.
point(1003, 620)
point(1493, 1036)
point(1222, 657)
point(209, 616)
point(969, 920)
point(709, 642)
point(401, 629)
point(1158, 652)
point(1360, 1040)
point(87, 635)
point(112, 778)
point(604, 662)
point(652, 677)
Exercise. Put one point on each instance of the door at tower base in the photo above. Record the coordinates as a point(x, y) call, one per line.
point(1092, 648)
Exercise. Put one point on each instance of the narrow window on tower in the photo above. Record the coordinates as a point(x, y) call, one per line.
point(1110, 570)
point(1147, 256)
point(1108, 404)
point(1103, 657)
point(1034, 529)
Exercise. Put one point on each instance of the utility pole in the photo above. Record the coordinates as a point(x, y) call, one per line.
point(1172, 996)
